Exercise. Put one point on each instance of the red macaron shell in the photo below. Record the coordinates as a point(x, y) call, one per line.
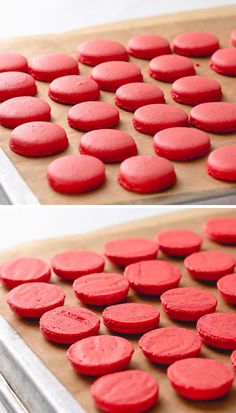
point(131, 318)
point(48, 67)
point(108, 145)
point(151, 119)
point(188, 303)
point(221, 163)
point(35, 139)
point(23, 109)
point(221, 230)
point(13, 84)
point(146, 174)
point(72, 264)
point(132, 391)
point(169, 344)
point(92, 115)
point(181, 143)
point(111, 75)
point(13, 62)
point(227, 288)
point(218, 330)
point(73, 89)
point(200, 378)
point(23, 270)
point(193, 90)
point(168, 68)
point(209, 265)
point(223, 61)
point(127, 251)
point(75, 174)
point(233, 359)
point(96, 51)
point(216, 117)
point(195, 44)
point(152, 277)
point(99, 355)
point(179, 243)
point(134, 95)
point(147, 46)
point(32, 300)
point(66, 325)
point(233, 37)
point(101, 289)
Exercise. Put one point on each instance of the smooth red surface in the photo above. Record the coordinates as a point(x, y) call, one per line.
point(233, 359)
point(48, 67)
point(169, 344)
point(99, 355)
point(218, 330)
point(92, 115)
point(221, 163)
point(132, 391)
point(111, 75)
point(147, 46)
point(193, 90)
point(196, 44)
point(227, 288)
point(168, 68)
point(96, 51)
point(223, 61)
point(11, 62)
point(22, 109)
point(188, 378)
point(108, 145)
point(101, 289)
point(34, 299)
point(73, 89)
point(130, 250)
point(74, 174)
point(188, 303)
point(146, 174)
point(222, 230)
point(13, 84)
point(66, 325)
point(38, 138)
point(179, 243)
point(152, 277)
point(218, 117)
point(131, 318)
point(22, 270)
point(134, 95)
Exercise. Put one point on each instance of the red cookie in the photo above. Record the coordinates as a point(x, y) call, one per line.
point(111, 75)
point(130, 250)
point(132, 391)
point(221, 163)
point(48, 67)
point(233, 359)
point(23, 109)
point(72, 264)
point(218, 330)
point(188, 304)
point(66, 325)
point(38, 139)
point(181, 143)
point(134, 95)
point(108, 145)
point(224, 61)
point(169, 344)
point(88, 116)
point(168, 68)
point(73, 89)
point(99, 355)
point(196, 44)
point(209, 265)
point(75, 174)
point(218, 117)
point(13, 84)
point(151, 119)
point(32, 300)
point(200, 379)
point(147, 46)
point(233, 37)
point(13, 62)
point(221, 230)
point(131, 318)
point(193, 90)
point(146, 174)
point(101, 289)
point(179, 243)
point(24, 270)
point(94, 52)
point(227, 288)
point(152, 277)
